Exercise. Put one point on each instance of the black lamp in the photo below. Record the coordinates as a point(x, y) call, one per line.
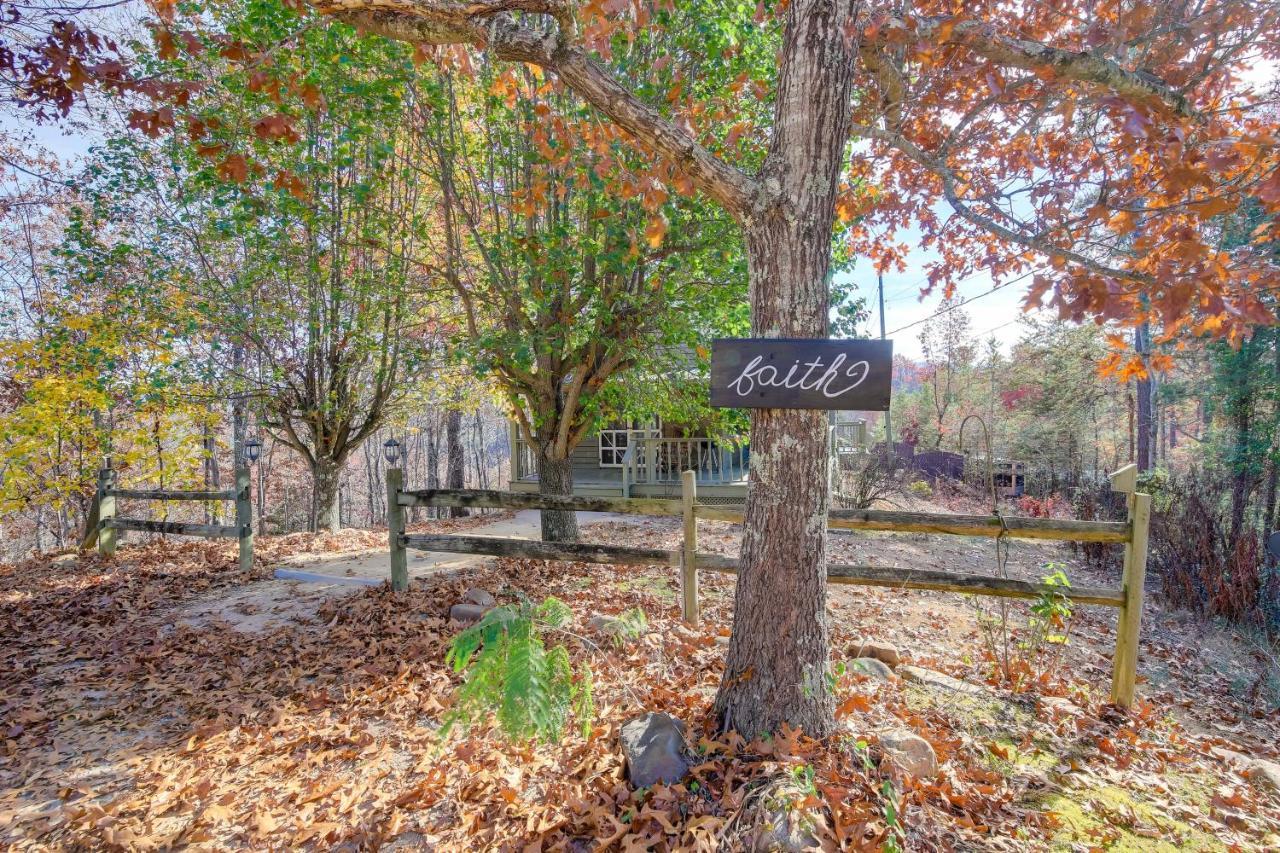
point(252, 449)
point(391, 450)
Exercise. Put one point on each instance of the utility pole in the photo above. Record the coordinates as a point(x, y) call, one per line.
point(888, 426)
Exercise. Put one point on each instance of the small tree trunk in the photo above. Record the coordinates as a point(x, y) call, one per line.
point(457, 458)
point(433, 463)
point(1273, 470)
point(555, 477)
point(326, 474)
point(1145, 424)
point(1242, 477)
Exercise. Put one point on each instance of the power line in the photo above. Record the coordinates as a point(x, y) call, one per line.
point(965, 302)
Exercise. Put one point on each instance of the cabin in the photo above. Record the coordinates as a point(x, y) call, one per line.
point(645, 458)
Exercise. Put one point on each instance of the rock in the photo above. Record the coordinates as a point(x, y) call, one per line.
point(479, 596)
point(789, 830)
point(723, 642)
point(872, 667)
point(65, 560)
point(1056, 706)
point(654, 748)
point(1238, 760)
point(886, 653)
point(909, 753)
point(1264, 774)
point(604, 624)
point(608, 626)
point(773, 817)
point(466, 613)
point(929, 678)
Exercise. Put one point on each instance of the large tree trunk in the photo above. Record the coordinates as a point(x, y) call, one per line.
point(776, 668)
point(326, 474)
point(456, 466)
point(555, 477)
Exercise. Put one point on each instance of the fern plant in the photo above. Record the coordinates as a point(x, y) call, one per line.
point(512, 676)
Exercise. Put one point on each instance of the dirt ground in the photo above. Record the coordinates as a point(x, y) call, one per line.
point(164, 700)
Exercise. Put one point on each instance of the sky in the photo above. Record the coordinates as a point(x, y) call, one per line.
point(991, 315)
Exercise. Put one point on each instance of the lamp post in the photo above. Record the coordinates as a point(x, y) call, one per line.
point(244, 509)
point(395, 517)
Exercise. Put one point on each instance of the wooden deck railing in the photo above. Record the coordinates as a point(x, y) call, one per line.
point(1132, 533)
point(102, 523)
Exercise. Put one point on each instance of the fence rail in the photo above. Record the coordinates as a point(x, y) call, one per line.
point(167, 495)
point(180, 528)
point(1132, 533)
point(102, 523)
point(1013, 527)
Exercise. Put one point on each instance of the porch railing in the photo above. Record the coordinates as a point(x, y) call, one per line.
point(661, 460)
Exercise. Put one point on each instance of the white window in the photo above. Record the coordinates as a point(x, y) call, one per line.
point(613, 447)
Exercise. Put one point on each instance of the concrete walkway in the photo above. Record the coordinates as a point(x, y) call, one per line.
point(301, 584)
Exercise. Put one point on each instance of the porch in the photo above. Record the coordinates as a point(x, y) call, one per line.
point(637, 463)
point(642, 463)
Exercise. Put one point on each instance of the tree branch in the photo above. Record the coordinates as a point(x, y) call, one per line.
point(981, 38)
point(489, 25)
point(948, 179)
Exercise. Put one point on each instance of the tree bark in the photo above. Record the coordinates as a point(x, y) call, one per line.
point(1141, 344)
point(776, 667)
point(456, 464)
point(326, 474)
point(555, 477)
point(1240, 409)
point(1273, 470)
point(433, 461)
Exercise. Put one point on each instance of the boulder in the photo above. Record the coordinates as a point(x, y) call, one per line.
point(479, 596)
point(873, 667)
point(653, 746)
point(1264, 774)
point(467, 613)
point(908, 753)
point(65, 560)
point(886, 653)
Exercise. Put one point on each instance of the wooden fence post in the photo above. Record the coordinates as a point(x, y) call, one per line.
point(1124, 672)
point(106, 512)
point(688, 564)
point(244, 519)
point(395, 530)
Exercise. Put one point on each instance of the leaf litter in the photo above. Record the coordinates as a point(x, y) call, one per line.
point(125, 728)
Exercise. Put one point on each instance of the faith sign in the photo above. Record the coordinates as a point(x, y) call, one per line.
point(801, 373)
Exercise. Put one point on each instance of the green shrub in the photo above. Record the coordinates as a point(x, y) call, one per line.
point(512, 676)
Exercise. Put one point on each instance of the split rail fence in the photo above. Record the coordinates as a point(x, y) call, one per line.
point(1131, 533)
point(102, 522)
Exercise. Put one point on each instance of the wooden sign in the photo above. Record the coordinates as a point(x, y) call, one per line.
point(801, 373)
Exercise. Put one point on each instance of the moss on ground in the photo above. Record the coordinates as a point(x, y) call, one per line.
point(1114, 818)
